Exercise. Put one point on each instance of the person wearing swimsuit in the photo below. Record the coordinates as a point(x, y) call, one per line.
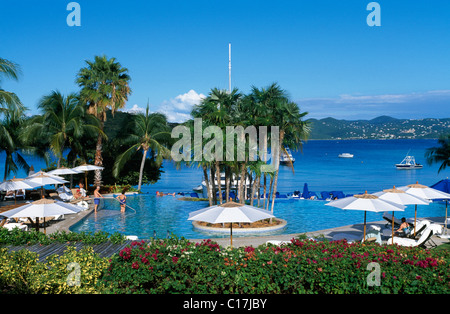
point(123, 201)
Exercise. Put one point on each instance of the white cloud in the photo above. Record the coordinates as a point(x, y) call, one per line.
point(135, 109)
point(178, 109)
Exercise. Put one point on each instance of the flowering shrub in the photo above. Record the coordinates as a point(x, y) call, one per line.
point(177, 265)
point(303, 266)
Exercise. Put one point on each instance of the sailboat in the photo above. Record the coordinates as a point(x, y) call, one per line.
point(409, 162)
point(286, 157)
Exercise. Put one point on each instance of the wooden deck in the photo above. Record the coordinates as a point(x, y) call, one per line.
point(106, 249)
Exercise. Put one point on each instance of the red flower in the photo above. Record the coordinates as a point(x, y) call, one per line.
point(175, 259)
point(135, 265)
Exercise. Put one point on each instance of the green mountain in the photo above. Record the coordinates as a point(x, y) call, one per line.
point(383, 127)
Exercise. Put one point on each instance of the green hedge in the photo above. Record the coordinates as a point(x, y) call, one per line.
point(20, 237)
point(180, 266)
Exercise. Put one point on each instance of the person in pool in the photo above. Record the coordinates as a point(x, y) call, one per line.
point(97, 196)
point(123, 201)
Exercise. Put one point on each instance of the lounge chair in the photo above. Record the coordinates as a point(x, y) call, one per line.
point(423, 239)
point(11, 225)
point(9, 194)
point(397, 221)
point(194, 194)
point(337, 194)
point(325, 195)
point(277, 242)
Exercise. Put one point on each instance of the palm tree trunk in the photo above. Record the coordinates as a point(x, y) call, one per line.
point(205, 173)
point(227, 183)
point(241, 184)
point(258, 188)
point(213, 185)
point(98, 161)
point(270, 192)
point(218, 180)
point(265, 190)
point(253, 191)
point(277, 170)
point(141, 170)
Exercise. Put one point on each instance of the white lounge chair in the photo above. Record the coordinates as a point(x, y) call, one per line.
point(424, 237)
point(11, 225)
point(277, 242)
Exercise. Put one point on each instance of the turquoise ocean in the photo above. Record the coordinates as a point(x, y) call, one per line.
point(371, 169)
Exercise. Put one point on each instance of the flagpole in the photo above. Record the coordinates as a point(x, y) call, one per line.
point(229, 67)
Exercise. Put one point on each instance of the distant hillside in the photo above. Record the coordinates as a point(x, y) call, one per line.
point(383, 127)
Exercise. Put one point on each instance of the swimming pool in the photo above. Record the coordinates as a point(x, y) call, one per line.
point(168, 214)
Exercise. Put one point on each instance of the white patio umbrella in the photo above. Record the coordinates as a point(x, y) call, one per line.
point(18, 184)
point(365, 202)
point(423, 191)
point(63, 171)
point(230, 212)
point(42, 208)
point(44, 179)
point(400, 197)
point(85, 168)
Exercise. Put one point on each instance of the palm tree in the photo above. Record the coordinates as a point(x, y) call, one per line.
point(63, 122)
point(440, 154)
point(12, 113)
point(149, 132)
point(292, 130)
point(9, 100)
point(10, 142)
point(218, 109)
point(105, 85)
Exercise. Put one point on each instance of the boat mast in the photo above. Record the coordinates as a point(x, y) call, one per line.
point(229, 67)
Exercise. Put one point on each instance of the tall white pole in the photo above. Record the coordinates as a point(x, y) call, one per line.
point(229, 67)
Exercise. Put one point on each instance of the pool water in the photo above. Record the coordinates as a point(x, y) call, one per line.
point(161, 216)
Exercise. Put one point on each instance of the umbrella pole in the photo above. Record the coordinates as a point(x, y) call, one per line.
point(392, 227)
point(364, 236)
point(445, 221)
point(231, 234)
point(85, 181)
point(37, 224)
point(415, 218)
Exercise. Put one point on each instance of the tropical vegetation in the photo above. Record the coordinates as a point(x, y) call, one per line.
point(440, 154)
point(261, 108)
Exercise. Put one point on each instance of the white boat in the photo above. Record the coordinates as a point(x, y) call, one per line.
point(234, 185)
point(409, 162)
point(345, 155)
point(286, 157)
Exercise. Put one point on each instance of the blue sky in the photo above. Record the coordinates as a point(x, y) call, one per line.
point(322, 52)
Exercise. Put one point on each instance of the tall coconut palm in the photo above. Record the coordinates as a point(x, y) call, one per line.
point(104, 86)
point(12, 119)
point(440, 154)
point(149, 132)
point(292, 131)
point(10, 142)
point(8, 100)
point(218, 109)
point(63, 122)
